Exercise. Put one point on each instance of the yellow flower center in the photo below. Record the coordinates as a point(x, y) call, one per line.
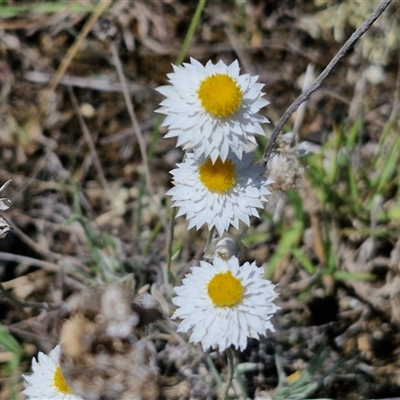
point(219, 177)
point(59, 382)
point(225, 290)
point(220, 95)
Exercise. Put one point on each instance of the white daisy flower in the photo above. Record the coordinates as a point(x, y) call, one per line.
point(212, 109)
point(47, 381)
point(219, 194)
point(223, 304)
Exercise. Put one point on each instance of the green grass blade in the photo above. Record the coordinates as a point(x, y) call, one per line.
point(10, 344)
point(352, 276)
point(44, 8)
point(305, 262)
point(289, 241)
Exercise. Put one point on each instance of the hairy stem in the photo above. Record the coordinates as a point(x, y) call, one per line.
point(231, 371)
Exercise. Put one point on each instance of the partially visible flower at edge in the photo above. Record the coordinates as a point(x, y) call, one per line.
point(5, 227)
point(224, 303)
point(219, 194)
point(212, 109)
point(47, 381)
point(4, 201)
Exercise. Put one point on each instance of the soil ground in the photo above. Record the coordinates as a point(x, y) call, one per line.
point(77, 182)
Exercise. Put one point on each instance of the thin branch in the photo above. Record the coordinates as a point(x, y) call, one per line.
point(48, 266)
point(341, 53)
point(20, 304)
point(135, 123)
point(137, 130)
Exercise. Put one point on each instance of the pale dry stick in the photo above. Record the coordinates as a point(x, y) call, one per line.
point(396, 101)
point(101, 84)
point(241, 54)
point(48, 266)
point(101, 7)
point(136, 128)
point(135, 123)
point(315, 85)
point(356, 107)
point(89, 141)
point(35, 246)
point(302, 109)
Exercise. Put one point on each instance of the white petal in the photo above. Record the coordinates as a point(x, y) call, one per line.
point(221, 327)
point(210, 135)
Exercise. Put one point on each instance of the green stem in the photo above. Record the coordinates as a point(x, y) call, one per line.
point(231, 371)
point(209, 240)
point(214, 371)
point(182, 54)
point(170, 240)
point(190, 32)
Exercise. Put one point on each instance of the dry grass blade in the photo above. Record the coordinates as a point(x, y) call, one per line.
point(101, 7)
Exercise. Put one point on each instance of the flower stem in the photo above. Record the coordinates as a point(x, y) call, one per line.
point(231, 371)
point(190, 32)
point(170, 239)
point(209, 239)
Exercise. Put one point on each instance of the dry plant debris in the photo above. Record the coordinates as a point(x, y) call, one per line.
point(82, 214)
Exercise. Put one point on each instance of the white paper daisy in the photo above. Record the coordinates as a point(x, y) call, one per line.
point(219, 194)
point(223, 304)
point(212, 109)
point(47, 381)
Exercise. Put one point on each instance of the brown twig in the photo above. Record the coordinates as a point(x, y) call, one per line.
point(20, 304)
point(315, 85)
point(39, 248)
point(101, 7)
